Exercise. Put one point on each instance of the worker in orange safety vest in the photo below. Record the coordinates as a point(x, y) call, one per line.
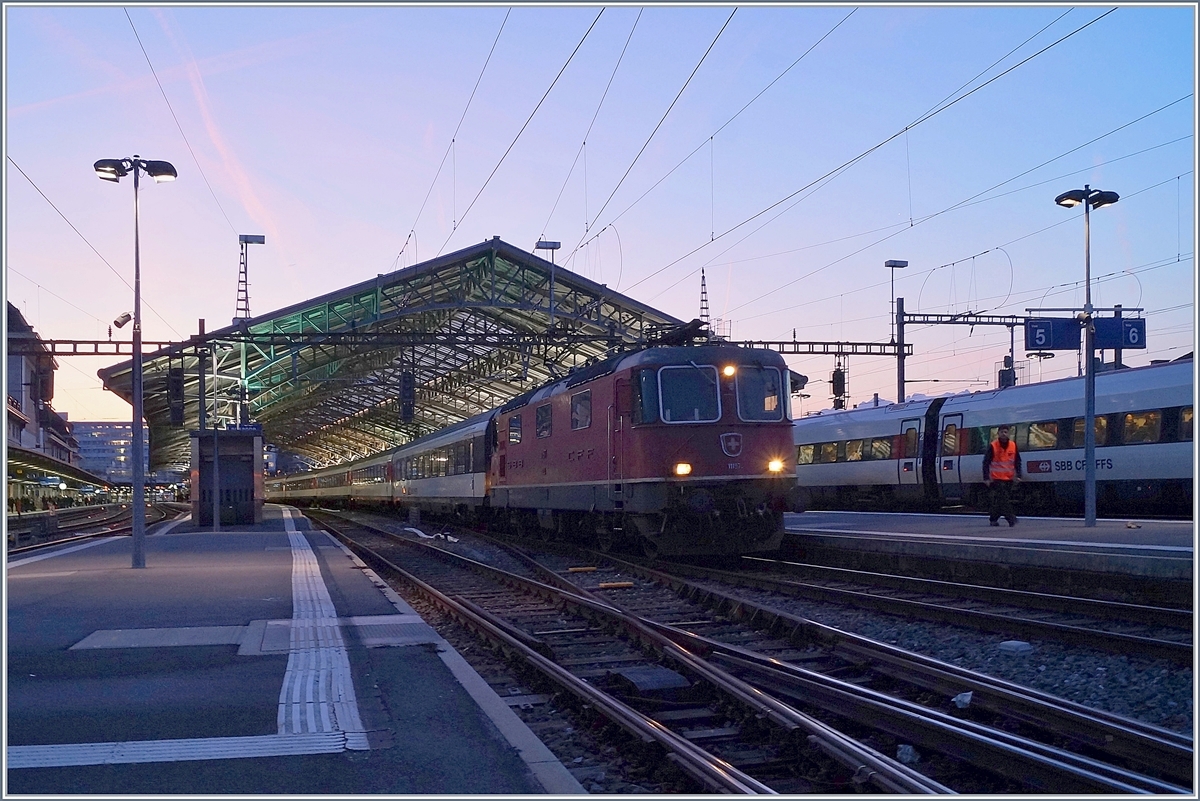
point(1001, 469)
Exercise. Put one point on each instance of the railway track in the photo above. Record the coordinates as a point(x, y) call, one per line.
point(107, 525)
point(1118, 627)
point(783, 673)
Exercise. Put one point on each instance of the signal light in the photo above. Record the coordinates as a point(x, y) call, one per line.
point(683, 469)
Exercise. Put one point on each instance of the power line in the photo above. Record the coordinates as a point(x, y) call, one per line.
point(177, 125)
point(86, 242)
point(413, 230)
point(726, 124)
point(822, 180)
point(646, 144)
point(523, 127)
point(583, 144)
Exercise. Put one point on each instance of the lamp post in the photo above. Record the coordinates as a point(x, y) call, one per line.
point(114, 170)
point(1091, 199)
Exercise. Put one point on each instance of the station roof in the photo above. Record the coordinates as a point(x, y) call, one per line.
point(475, 328)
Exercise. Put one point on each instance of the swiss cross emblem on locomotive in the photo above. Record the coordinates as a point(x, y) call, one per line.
point(731, 444)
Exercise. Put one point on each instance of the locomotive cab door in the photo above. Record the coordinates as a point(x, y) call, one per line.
point(618, 421)
point(949, 462)
point(909, 464)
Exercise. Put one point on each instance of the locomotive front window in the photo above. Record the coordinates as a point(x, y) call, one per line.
point(689, 394)
point(759, 393)
point(645, 402)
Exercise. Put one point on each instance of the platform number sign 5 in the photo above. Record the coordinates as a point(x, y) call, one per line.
point(1052, 333)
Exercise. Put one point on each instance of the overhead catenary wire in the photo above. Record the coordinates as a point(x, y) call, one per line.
point(523, 127)
point(653, 132)
point(724, 125)
point(583, 144)
point(851, 162)
point(177, 125)
point(946, 210)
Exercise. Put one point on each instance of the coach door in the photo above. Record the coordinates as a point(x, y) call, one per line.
point(949, 463)
point(909, 463)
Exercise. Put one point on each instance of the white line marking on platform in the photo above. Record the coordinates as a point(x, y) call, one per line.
point(318, 711)
point(57, 756)
point(993, 540)
point(72, 549)
point(318, 687)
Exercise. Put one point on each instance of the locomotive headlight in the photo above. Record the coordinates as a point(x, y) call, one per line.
point(683, 469)
point(775, 465)
point(729, 370)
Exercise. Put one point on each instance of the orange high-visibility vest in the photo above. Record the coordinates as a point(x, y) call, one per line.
point(1004, 461)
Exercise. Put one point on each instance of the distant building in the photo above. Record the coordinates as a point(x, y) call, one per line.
point(42, 451)
point(106, 450)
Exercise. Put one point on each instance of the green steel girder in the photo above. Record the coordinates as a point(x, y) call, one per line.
point(330, 400)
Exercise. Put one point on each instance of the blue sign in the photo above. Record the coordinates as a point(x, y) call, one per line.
point(1053, 333)
point(1119, 332)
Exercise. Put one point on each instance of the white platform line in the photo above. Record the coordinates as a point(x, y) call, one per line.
point(56, 756)
point(318, 687)
point(991, 540)
point(59, 552)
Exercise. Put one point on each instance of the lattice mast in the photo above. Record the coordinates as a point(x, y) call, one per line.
point(704, 316)
point(243, 293)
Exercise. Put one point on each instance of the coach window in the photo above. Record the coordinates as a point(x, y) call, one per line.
point(910, 444)
point(1101, 432)
point(804, 454)
point(950, 440)
point(854, 450)
point(1185, 424)
point(881, 448)
point(1043, 436)
point(689, 394)
point(544, 421)
point(759, 393)
point(827, 453)
point(1142, 427)
point(514, 429)
point(645, 401)
point(581, 410)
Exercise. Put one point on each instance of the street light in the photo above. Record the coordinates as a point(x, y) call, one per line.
point(114, 170)
point(1091, 199)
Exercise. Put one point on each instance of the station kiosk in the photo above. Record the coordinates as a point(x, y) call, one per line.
point(239, 469)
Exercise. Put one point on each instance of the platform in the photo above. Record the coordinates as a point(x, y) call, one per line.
point(1149, 548)
point(261, 660)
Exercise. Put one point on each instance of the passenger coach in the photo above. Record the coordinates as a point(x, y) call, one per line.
point(929, 453)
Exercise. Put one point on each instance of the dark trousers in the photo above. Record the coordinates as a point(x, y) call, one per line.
point(1002, 505)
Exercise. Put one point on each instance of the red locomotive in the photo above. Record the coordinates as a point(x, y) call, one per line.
point(680, 450)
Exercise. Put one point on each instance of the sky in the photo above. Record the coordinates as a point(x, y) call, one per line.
point(788, 151)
